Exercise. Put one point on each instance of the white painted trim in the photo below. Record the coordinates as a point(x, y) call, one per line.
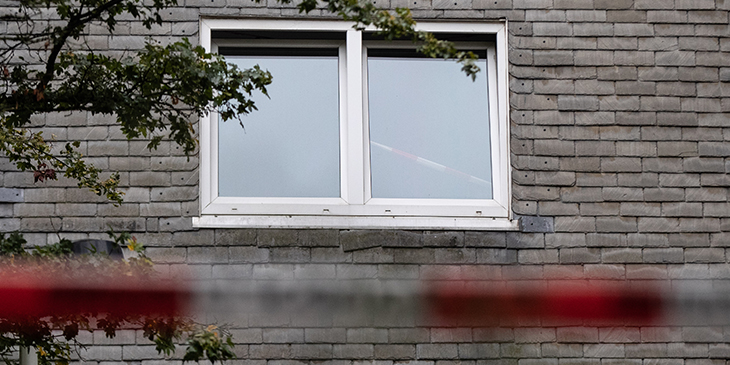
point(206, 159)
point(355, 222)
point(356, 209)
point(355, 139)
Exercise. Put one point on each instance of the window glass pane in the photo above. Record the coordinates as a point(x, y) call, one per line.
point(290, 146)
point(429, 129)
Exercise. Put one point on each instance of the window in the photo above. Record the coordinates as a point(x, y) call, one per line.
point(359, 132)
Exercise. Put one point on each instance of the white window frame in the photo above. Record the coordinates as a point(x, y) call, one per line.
point(355, 208)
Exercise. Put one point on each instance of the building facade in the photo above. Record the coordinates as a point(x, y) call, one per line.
point(612, 167)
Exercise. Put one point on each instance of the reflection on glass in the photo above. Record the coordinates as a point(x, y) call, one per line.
point(290, 146)
point(429, 130)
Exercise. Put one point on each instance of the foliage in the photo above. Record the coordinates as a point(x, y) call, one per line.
point(156, 93)
point(55, 337)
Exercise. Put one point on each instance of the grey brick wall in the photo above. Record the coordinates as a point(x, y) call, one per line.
point(620, 135)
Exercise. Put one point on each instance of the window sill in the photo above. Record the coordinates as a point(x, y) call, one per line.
point(356, 222)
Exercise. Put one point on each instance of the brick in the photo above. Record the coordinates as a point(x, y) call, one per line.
point(706, 194)
point(478, 350)
point(704, 255)
point(660, 225)
point(646, 350)
point(395, 352)
point(443, 239)
point(619, 103)
point(687, 350)
point(289, 254)
point(621, 255)
point(534, 335)
point(699, 224)
point(552, 58)
point(633, 29)
point(565, 351)
point(700, 134)
point(551, 29)
point(617, 73)
point(610, 43)
point(408, 335)
point(367, 335)
point(637, 149)
point(594, 118)
point(621, 194)
point(570, 102)
point(579, 255)
point(549, 86)
point(594, 58)
point(599, 209)
point(558, 178)
point(616, 224)
point(536, 193)
point(207, 255)
point(565, 240)
point(484, 239)
point(604, 350)
point(682, 149)
point(437, 351)
point(512, 350)
point(663, 255)
point(576, 43)
point(705, 16)
point(557, 208)
point(676, 89)
point(658, 73)
point(496, 256)
point(357, 240)
point(682, 209)
point(703, 164)
point(664, 194)
point(689, 240)
point(563, 272)
point(719, 149)
point(248, 254)
point(636, 118)
point(620, 132)
point(664, 165)
point(592, 29)
point(581, 224)
point(595, 179)
point(528, 257)
point(577, 334)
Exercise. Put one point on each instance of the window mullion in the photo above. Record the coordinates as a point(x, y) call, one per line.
point(355, 149)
